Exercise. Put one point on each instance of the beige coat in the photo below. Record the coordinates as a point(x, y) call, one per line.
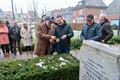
point(26, 36)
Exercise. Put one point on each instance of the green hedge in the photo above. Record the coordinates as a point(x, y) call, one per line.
point(114, 40)
point(57, 67)
point(76, 44)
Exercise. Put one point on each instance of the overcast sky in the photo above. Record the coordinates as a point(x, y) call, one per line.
point(26, 5)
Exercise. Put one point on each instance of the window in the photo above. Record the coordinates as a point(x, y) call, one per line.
point(80, 3)
point(81, 12)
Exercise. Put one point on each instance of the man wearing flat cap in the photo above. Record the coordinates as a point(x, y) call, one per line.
point(43, 38)
point(91, 30)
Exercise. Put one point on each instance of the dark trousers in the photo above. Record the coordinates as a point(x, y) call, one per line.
point(63, 49)
point(53, 48)
point(28, 48)
point(5, 48)
point(16, 43)
point(11, 45)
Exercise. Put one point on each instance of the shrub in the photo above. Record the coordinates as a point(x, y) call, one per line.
point(114, 27)
point(57, 67)
point(76, 44)
point(114, 40)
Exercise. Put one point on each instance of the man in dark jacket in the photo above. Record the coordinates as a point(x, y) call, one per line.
point(15, 35)
point(91, 30)
point(64, 33)
point(106, 30)
point(10, 39)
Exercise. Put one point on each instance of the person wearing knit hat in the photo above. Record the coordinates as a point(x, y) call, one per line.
point(43, 37)
point(46, 18)
point(105, 28)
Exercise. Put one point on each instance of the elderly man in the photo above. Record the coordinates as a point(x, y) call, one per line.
point(15, 36)
point(91, 30)
point(105, 28)
point(44, 39)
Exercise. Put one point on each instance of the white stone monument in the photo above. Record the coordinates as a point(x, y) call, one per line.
point(99, 61)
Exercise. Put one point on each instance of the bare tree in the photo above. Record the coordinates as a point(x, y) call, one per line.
point(33, 6)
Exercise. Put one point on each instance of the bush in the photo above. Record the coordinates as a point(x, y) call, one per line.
point(114, 27)
point(76, 44)
point(114, 40)
point(57, 67)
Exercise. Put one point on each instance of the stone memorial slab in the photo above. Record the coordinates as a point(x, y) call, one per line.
point(99, 62)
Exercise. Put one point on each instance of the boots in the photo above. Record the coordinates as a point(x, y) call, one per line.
point(6, 55)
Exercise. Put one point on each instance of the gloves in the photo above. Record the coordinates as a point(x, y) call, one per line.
point(64, 37)
point(103, 41)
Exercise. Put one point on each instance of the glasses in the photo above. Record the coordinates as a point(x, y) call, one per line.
point(89, 20)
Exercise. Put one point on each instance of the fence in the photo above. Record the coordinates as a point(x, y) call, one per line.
point(76, 26)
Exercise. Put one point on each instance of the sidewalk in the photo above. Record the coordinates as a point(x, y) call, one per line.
point(29, 56)
point(18, 56)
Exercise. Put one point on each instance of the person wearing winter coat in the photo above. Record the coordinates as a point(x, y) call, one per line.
point(105, 28)
point(16, 38)
point(91, 30)
point(10, 39)
point(4, 39)
point(43, 38)
point(26, 37)
point(64, 33)
point(53, 46)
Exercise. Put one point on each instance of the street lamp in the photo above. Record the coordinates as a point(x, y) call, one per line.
point(13, 10)
point(119, 26)
point(119, 21)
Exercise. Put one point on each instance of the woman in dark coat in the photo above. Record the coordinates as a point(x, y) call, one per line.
point(106, 30)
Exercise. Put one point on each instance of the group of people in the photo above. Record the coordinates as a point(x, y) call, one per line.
point(100, 32)
point(11, 36)
point(53, 35)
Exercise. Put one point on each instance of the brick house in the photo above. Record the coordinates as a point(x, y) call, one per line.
point(113, 12)
point(65, 12)
point(86, 7)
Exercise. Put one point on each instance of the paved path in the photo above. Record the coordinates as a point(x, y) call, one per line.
point(30, 56)
point(25, 55)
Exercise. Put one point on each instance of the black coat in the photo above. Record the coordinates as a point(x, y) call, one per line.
point(61, 30)
point(106, 30)
point(15, 33)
